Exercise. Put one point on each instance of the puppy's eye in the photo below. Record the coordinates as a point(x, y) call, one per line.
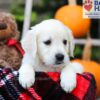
point(48, 42)
point(64, 42)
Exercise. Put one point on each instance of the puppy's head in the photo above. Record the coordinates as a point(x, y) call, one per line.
point(50, 41)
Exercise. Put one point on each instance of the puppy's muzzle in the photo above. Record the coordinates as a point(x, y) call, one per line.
point(59, 58)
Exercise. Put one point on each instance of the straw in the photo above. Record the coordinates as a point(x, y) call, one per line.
point(72, 2)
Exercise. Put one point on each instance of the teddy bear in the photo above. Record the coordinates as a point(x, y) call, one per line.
point(10, 49)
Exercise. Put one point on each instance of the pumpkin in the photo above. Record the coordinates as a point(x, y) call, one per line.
point(94, 68)
point(71, 16)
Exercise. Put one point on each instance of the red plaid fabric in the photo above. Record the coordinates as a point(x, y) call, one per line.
point(46, 87)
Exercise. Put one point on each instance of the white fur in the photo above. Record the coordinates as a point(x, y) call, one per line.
point(41, 57)
point(68, 76)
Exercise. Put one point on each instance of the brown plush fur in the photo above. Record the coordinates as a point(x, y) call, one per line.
point(9, 55)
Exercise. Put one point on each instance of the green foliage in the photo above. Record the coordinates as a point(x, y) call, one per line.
point(78, 51)
point(42, 11)
point(96, 54)
point(17, 9)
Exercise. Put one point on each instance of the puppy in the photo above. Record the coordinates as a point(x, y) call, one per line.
point(47, 47)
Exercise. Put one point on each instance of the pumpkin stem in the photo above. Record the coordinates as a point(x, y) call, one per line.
point(72, 2)
point(87, 48)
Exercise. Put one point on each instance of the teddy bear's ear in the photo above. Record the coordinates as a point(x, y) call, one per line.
point(28, 43)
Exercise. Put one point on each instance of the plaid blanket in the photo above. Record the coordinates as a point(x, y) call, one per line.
point(46, 87)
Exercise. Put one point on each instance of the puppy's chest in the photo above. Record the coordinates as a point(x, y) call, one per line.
point(48, 69)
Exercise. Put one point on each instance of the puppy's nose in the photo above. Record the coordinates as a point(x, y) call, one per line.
point(59, 57)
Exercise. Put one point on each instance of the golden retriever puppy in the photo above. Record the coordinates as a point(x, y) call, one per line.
point(47, 47)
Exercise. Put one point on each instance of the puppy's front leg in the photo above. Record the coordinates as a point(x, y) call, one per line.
point(26, 72)
point(68, 76)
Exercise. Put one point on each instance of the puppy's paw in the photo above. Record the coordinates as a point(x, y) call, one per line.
point(78, 68)
point(26, 78)
point(68, 81)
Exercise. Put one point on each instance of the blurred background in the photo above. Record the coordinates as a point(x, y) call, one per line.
point(46, 9)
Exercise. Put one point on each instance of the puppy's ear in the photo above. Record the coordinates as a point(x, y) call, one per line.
point(71, 44)
point(28, 42)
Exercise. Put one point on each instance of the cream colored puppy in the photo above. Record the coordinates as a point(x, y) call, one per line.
point(47, 47)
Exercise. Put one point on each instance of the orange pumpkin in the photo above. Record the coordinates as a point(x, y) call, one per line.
point(71, 16)
point(94, 68)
